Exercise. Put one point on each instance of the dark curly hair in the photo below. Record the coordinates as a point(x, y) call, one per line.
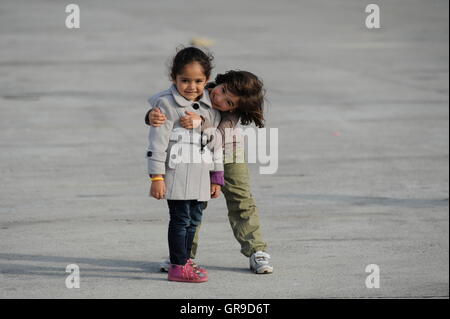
point(250, 91)
point(189, 55)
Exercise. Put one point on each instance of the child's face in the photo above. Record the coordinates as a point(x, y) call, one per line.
point(191, 81)
point(222, 99)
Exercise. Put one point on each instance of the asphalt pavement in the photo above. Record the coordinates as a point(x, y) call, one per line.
point(363, 148)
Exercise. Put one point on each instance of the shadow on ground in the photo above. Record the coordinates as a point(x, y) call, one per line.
point(19, 264)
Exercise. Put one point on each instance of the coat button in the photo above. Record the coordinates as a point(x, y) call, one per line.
point(195, 106)
point(204, 139)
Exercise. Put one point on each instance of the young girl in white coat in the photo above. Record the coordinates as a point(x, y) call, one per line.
point(186, 184)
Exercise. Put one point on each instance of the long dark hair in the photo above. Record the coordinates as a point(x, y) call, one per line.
point(250, 91)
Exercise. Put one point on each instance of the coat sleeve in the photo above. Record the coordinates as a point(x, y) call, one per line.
point(146, 117)
point(158, 141)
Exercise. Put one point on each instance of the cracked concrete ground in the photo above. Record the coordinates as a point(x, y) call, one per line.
point(363, 123)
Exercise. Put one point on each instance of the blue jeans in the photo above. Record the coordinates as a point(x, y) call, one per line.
point(185, 216)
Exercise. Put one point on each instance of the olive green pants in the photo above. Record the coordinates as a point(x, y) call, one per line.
point(242, 211)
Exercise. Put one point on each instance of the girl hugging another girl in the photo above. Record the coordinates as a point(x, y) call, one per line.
point(236, 96)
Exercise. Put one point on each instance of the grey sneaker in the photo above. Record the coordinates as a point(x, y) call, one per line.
point(259, 263)
point(164, 265)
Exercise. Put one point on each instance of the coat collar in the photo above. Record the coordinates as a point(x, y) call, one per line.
point(181, 101)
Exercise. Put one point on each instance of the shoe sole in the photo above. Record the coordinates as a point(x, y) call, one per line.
point(187, 280)
point(262, 271)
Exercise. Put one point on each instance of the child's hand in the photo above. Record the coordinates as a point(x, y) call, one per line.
point(156, 117)
point(215, 190)
point(191, 120)
point(158, 189)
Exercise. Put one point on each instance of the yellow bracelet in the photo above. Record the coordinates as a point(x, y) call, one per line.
point(154, 179)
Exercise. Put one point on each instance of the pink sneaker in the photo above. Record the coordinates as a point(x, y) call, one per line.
point(185, 274)
point(196, 267)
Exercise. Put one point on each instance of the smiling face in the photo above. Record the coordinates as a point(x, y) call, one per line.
point(223, 100)
point(191, 81)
